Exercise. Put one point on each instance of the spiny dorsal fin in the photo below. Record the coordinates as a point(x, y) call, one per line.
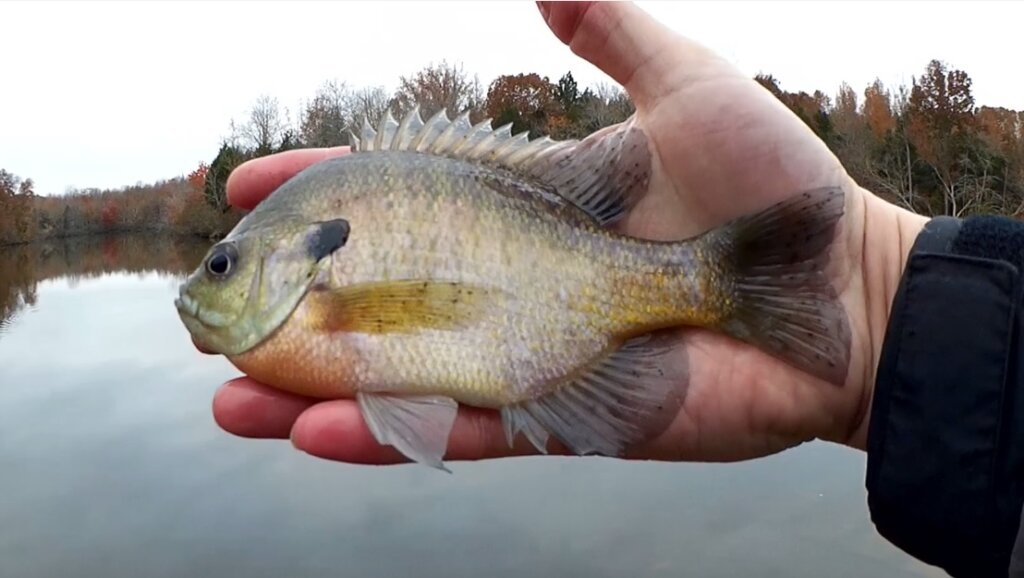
point(604, 174)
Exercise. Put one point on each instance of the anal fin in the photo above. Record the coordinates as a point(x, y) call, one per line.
point(417, 426)
point(609, 405)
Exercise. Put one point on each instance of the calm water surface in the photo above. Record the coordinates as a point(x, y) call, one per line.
point(111, 466)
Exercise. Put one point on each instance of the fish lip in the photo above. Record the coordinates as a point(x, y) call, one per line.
point(186, 305)
point(188, 309)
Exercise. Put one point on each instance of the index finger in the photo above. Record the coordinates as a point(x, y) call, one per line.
point(254, 179)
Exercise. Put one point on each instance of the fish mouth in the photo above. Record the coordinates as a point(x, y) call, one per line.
point(186, 305)
point(195, 319)
point(188, 310)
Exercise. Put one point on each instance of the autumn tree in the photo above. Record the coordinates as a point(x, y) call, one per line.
point(16, 208)
point(852, 140)
point(436, 87)
point(865, 141)
point(1002, 130)
point(861, 134)
point(846, 117)
point(197, 178)
point(878, 113)
point(897, 163)
point(527, 101)
point(940, 117)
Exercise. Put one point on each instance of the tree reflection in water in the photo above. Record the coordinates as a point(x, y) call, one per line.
point(23, 267)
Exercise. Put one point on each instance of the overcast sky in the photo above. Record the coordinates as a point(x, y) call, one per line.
point(107, 94)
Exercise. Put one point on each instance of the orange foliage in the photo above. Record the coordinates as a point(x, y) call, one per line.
point(524, 93)
point(878, 110)
point(197, 178)
point(558, 124)
point(436, 87)
point(110, 214)
point(941, 108)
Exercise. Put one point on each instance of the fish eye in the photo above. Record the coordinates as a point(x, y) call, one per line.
point(222, 261)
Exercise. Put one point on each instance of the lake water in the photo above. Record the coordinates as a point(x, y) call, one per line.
point(111, 466)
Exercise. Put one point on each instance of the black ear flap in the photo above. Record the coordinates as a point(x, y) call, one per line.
point(326, 238)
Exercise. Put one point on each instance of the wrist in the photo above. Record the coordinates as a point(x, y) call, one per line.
point(889, 233)
point(943, 455)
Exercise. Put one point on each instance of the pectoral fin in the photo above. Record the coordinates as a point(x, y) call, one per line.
point(417, 426)
point(398, 306)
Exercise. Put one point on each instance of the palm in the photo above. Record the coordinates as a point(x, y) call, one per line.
point(726, 147)
point(723, 147)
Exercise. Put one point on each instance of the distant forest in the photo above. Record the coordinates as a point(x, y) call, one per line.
point(927, 147)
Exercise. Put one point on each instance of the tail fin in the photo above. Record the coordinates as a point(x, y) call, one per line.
point(784, 302)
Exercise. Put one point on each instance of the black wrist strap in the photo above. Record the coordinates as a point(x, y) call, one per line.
point(937, 236)
point(946, 433)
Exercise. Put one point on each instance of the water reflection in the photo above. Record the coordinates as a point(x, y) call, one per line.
point(111, 466)
point(23, 267)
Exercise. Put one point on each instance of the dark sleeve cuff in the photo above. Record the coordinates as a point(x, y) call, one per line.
point(946, 432)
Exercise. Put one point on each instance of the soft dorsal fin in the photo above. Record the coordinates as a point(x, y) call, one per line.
point(604, 174)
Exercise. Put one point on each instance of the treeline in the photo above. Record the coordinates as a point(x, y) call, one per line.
point(196, 203)
point(174, 206)
point(928, 147)
point(529, 102)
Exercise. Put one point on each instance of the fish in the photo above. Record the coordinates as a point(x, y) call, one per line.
point(446, 263)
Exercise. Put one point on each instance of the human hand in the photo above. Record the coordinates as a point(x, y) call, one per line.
point(723, 147)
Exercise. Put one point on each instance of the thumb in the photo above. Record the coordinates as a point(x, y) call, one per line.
point(648, 59)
